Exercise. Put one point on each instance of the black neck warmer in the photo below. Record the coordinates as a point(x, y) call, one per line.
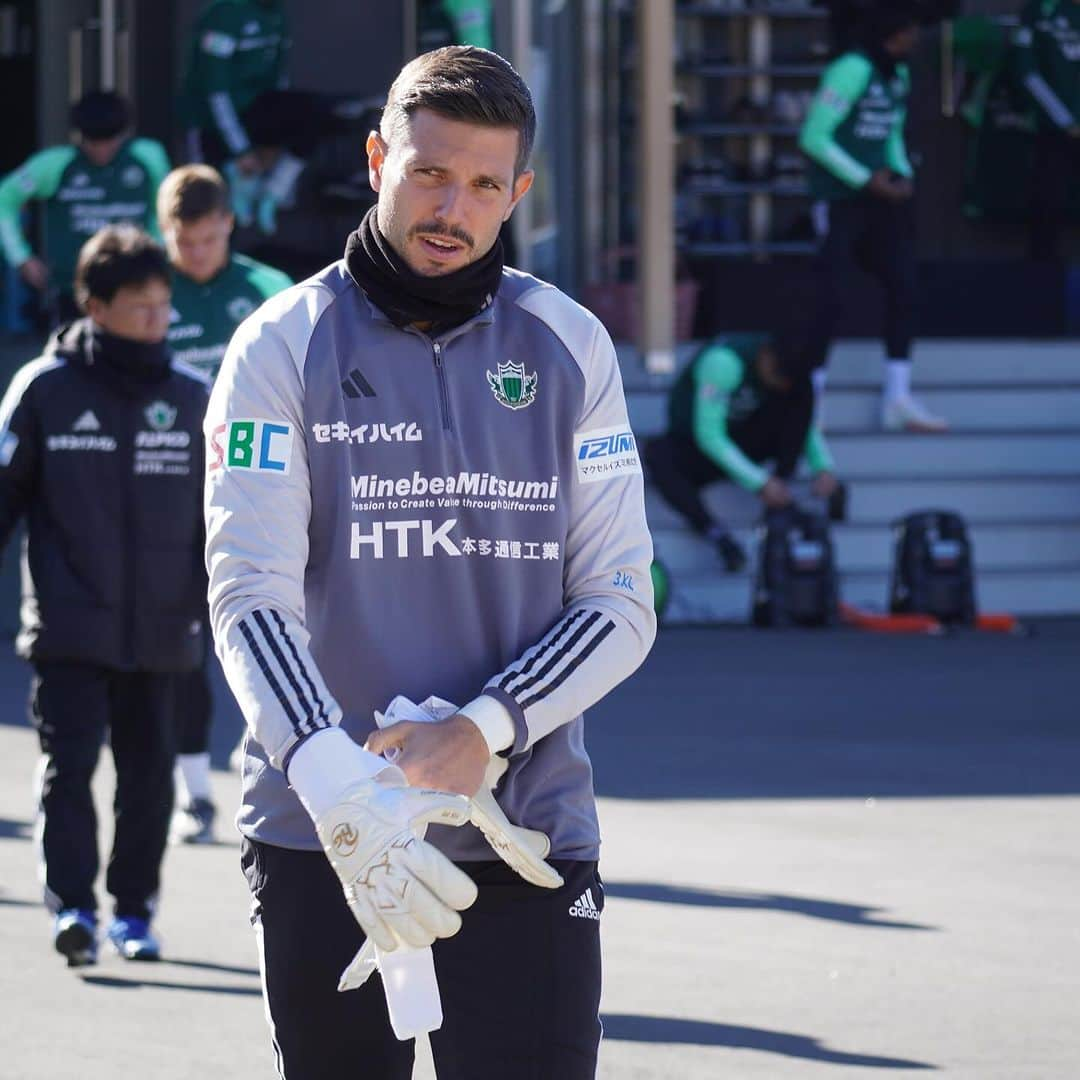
point(405, 297)
point(132, 362)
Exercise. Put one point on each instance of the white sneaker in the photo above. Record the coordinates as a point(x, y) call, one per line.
point(194, 823)
point(907, 413)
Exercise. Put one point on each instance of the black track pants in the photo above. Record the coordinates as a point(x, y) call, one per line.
point(875, 236)
point(520, 983)
point(1055, 173)
point(73, 706)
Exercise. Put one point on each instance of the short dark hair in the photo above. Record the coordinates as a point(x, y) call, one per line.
point(100, 114)
point(463, 82)
point(190, 193)
point(118, 257)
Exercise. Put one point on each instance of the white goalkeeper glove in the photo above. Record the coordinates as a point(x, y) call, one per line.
point(398, 887)
point(523, 850)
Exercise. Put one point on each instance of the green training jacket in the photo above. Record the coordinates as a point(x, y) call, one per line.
point(1047, 58)
point(205, 316)
point(855, 126)
point(238, 51)
point(80, 198)
point(721, 384)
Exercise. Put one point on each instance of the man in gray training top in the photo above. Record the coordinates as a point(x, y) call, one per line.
point(422, 481)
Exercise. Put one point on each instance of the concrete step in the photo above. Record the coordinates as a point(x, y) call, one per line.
point(938, 363)
point(971, 454)
point(966, 409)
point(869, 549)
point(879, 502)
point(718, 597)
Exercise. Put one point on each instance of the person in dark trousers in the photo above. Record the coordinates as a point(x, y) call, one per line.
point(103, 176)
point(1047, 57)
point(214, 290)
point(241, 115)
point(863, 184)
point(101, 454)
point(742, 410)
point(422, 481)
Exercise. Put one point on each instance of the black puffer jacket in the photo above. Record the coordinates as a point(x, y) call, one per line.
point(104, 457)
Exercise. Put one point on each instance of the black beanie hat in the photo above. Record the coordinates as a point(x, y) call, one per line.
point(885, 19)
point(792, 354)
point(100, 114)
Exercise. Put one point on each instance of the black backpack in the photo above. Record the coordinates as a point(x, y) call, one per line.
point(795, 583)
point(933, 570)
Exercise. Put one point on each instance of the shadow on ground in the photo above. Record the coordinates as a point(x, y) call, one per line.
point(205, 965)
point(830, 910)
point(115, 983)
point(660, 1029)
point(15, 830)
point(741, 713)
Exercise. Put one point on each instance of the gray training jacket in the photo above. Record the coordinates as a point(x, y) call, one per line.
point(391, 514)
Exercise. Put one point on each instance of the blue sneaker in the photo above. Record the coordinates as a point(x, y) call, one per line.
point(132, 939)
point(75, 937)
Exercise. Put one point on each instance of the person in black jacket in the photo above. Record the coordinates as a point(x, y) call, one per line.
point(101, 452)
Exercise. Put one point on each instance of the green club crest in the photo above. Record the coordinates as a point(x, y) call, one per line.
point(512, 387)
point(160, 415)
point(240, 308)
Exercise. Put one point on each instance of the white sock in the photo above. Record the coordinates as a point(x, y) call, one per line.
point(897, 379)
point(192, 778)
point(819, 379)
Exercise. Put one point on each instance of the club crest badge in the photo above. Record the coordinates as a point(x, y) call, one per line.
point(160, 415)
point(512, 387)
point(240, 308)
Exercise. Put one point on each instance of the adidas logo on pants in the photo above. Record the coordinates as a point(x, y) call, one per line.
point(584, 907)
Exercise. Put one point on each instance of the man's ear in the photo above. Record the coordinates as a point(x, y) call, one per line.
point(376, 157)
point(94, 306)
point(521, 186)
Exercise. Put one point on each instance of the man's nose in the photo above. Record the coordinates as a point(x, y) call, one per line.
point(448, 210)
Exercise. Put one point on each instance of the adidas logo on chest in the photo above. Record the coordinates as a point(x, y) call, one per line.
point(87, 422)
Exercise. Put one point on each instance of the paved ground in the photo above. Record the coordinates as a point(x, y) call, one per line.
point(827, 855)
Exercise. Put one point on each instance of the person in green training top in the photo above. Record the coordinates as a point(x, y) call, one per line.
point(742, 402)
point(455, 22)
point(1047, 59)
point(213, 292)
point(863, 183)
point(104, 177)
point(236, 60)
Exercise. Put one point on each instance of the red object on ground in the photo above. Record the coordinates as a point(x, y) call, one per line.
point(998, 624)
point(889, 624)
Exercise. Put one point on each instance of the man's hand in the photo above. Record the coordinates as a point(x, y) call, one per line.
point(885, 184)
point(398, 887)
point(447, 755)
point(904, 187)
point(824, 485)
point(35, 273)
point(248, 164)
point(775, 494)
